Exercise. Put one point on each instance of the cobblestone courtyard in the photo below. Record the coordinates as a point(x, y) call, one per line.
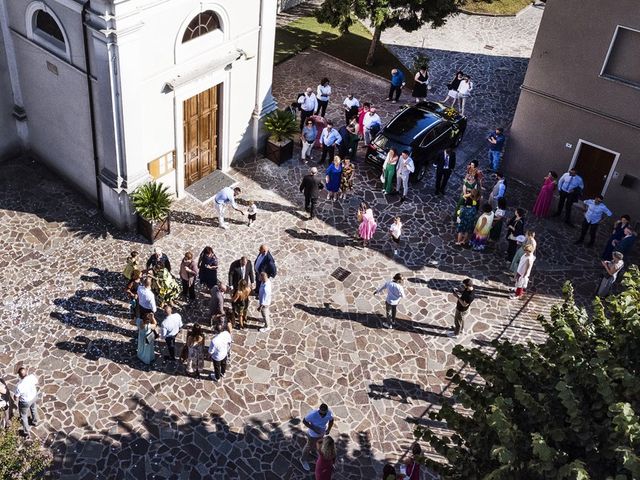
point(107, 416)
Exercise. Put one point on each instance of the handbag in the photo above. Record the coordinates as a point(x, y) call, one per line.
point(147, 337)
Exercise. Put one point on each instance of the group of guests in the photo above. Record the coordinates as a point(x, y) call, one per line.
point(147, 289)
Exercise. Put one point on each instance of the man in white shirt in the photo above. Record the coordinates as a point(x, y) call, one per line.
point(319, 422)
point(146, 298)
point(26, 394)
point(264, 297)
point(219, 351)
point(226, 196)
point(169, 330)
point(370, 121)
point(329, 139)
point(308, 105)
point(350, 105)
point(404, 169)
point(394, 293)
point(570, 187)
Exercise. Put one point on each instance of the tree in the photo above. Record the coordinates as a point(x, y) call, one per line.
point(20, 460)
point(382, 14)
point(564, 409)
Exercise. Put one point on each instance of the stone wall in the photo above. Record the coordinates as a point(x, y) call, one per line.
point(287, 4)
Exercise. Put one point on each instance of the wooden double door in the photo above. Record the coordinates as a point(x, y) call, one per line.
point(201, 125)
point(594, 166)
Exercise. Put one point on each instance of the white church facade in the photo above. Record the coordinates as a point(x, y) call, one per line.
point(113, 93)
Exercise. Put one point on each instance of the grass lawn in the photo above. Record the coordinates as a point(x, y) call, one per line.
point(353, 47)
point(498, 7)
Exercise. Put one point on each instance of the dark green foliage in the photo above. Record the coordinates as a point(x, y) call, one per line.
point(281, 125)
point(564, 409)
point(152, 201)
point(20, 460)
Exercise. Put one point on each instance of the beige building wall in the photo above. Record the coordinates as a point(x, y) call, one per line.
point(567, 99)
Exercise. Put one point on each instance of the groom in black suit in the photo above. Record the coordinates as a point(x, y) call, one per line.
point(264, 263)
point(240, 269)
point(445, 164)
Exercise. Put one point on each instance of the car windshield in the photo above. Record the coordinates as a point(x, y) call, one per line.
point(410, 123)
point(383, 142)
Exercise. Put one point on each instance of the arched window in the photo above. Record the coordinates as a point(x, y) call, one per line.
point(201, 24)
point(44, 28)
point(45, 24)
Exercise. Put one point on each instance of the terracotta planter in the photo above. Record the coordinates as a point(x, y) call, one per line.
point(279, 152)
point(153, 231)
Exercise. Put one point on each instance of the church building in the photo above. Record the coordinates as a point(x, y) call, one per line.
point(113, 93)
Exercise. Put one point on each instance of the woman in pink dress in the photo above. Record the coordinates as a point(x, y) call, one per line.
point(326, 458)
point(368, 224)
point(545, 197)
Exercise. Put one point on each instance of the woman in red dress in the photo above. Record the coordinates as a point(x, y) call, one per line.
point(545, 197)
point(326, 458)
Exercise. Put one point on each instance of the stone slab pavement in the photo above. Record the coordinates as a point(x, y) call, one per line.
point(107, 416)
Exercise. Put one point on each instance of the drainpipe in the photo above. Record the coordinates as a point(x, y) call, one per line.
point(92, 113)
point(258, 109)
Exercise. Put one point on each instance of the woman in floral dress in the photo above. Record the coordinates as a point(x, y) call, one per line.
point(346, 180)
point(194, 349)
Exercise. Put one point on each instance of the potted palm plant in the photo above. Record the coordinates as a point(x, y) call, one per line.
point(281, 127)
point(152, 203)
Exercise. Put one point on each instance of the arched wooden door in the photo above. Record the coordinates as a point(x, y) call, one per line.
point(201, 135)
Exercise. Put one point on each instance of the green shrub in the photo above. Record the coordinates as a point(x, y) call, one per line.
point(281, 125)
point(20, 460)
point(152, 201)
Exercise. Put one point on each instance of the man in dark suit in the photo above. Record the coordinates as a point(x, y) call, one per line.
point(240, 269)
point(264, 263)
point(445, 164)
point(311, 187)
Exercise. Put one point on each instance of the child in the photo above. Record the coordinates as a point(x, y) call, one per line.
point(395, 230)
point(251, 212)
point(132, 264)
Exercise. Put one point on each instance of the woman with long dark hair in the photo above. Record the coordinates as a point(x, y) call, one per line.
point(208, 267)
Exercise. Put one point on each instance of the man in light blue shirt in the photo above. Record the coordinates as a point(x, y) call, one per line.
point(329, 139)
point(570, 187)
point(226, 196)
point(264, 299)
point(394, 293)
point(596, 210)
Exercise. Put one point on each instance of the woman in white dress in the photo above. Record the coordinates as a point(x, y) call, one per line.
point(611, 269)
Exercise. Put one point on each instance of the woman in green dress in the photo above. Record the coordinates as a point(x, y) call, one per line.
point(388, 177)
point(146, 338)
point(469, 185)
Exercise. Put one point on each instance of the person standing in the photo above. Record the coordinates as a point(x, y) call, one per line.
point(445, 164)
point(465, 221)
point(395, 292)
point(367, 223)
point(611, 269)
point(146, 338)
point(498, 190)
point(389, 171)
point(328, 140)
point(332, 178)
point(308, 138)
point(395, 232)
point(498, 220)
point(308, 105)
point(626, 244)
point(465, 298)
point(146, 298)
point(529, 238)
point(133, 263)
point(208, 267)
point(411, 464)
point(170, 328)
point(226, 196)
point(464, 92)
point(240, 269)
point(264, 263)
point(452, 88)
point(371, 124)
point(188, 275)
point(310, 187)
point(545, 196)
point(216, 305)
point(617, 234)
point(524, 271)
point(350, 105)
point(6, 405)
point(264, 301)
point(515, 228)
point(326, 458)
point(496, 141)
point(396, 84)
point(420, 84)
point(158, 258)
point(219, 350)
point(193, 351)
point(570, 187)
point(403, 171)
point(26, 396)
point(596, 210)
point(323, 94)
point(346, 179)
point(319, 422)
point(482, 229)
point(240, 303)
point(362, 111)
point(132, 292)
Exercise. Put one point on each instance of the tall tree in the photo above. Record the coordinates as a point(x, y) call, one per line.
point(382, 14)
point(564, 409)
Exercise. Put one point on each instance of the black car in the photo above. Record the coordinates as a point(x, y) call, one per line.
point(424, 129)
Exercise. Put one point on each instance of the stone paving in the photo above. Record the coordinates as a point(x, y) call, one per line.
point(107, 416)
